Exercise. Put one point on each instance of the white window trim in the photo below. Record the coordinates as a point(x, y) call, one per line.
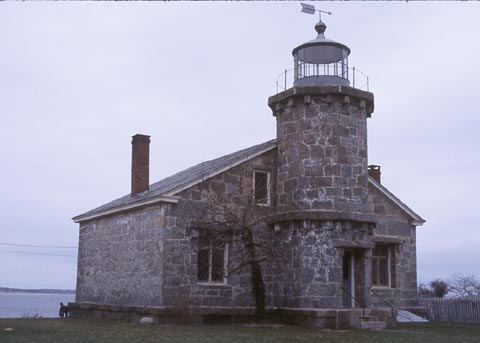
point(389, 268)
point(268, 187)
point(352, 279)
point(225, 267)
point(225, 263)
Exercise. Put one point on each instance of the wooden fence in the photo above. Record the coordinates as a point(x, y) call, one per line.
point(452, 310)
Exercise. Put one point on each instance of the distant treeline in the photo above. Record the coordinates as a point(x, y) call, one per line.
point(41, 290)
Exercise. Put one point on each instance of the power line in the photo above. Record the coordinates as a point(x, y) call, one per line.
point(39, 246)
point(34, 253)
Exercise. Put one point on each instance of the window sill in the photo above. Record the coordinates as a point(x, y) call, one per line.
point(213, 284)
point(382, 287)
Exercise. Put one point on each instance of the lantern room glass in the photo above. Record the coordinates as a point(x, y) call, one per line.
point(321, 64)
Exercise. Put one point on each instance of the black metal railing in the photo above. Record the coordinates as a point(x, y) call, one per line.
point(355, 300)
point(333, 69)
point(392, 306)
point(358, 79)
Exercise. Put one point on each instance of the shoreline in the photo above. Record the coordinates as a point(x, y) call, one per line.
point(6, 290)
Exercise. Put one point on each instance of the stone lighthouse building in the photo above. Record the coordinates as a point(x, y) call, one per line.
point(334, 247)
point(322, 179)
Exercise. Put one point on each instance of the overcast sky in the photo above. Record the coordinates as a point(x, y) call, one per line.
point(78, 79)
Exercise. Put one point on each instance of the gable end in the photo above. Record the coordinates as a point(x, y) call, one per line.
point(415, 218)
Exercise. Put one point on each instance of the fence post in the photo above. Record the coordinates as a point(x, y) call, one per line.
point(453, 310)
point(285, 88)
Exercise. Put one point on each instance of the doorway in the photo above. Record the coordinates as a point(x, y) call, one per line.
point(353, 279)
point(348, 279)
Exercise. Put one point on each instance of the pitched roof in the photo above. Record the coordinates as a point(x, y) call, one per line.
point(164, 190)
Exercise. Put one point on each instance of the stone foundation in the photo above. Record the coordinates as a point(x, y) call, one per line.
point(310, 317)
point(334, 318)
point(162, 315)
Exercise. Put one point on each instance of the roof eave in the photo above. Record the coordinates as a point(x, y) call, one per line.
point(416, 220)
point(168, 199)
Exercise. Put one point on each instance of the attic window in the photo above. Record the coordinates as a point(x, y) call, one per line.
point(261, 187)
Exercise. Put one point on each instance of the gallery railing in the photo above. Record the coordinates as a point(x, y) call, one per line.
point(356, 77)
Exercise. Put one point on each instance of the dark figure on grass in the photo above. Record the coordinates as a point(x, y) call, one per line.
point(64, 311)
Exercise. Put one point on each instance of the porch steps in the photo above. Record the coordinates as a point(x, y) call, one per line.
point(371, 323)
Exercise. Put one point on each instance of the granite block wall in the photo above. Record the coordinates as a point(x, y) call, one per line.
point(225, 191)
point(392, 222)
point(120, 259)
point(307, 269)
point(149, 256)
point(322, 153)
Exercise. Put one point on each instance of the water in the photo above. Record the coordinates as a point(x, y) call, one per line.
point(18, 305)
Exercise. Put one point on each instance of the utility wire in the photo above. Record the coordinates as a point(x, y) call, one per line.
point(34, 253)
point(38, 246)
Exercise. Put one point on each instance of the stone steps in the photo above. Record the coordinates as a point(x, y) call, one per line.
point(372, 325)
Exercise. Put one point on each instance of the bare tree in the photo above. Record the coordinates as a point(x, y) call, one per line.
point(439, 288)
point(238, 221)
point(465, 285)
point(425, 291)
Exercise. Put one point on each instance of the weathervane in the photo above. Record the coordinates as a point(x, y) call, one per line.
point(310, 9)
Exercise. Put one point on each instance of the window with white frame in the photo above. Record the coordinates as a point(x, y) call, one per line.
point(212, 258)
point(261, 187)
point(383, 266)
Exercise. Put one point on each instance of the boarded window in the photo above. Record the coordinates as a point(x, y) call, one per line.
point(261, 187)
point(211, 258)
point(381, 266)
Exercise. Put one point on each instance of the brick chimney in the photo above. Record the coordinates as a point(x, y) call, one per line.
point(140, 164)
point(374, 172)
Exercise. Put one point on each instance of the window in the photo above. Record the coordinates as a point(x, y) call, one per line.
point(212, 258)
point(261, 187)
point(382, 266)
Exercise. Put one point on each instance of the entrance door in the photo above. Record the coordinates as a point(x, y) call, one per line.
point(348, 279)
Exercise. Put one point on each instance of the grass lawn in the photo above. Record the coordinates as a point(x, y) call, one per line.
point(86, 331)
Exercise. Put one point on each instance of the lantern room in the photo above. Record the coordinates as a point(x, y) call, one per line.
point(321, 61)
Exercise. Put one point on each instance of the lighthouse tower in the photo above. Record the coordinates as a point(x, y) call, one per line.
point(322, 228)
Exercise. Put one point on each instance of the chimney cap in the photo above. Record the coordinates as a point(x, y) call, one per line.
point(374, 172)
point(140, 138)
